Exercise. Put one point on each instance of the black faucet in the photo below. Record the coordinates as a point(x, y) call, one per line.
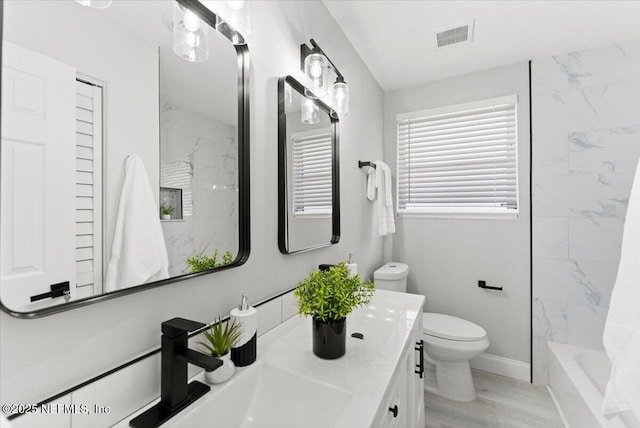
point(175, 393)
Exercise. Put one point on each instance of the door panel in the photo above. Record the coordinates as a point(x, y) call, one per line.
point(38, 175)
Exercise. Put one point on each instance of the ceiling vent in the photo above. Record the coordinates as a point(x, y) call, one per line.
point(461, 33)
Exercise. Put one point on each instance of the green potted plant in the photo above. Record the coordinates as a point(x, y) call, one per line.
point(200, 262)
point(329, 296)
point(219, 339)
point(166, 211)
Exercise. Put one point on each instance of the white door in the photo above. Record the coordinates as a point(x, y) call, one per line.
point(37, 194)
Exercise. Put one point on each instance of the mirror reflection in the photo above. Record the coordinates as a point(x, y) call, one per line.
point(308, 171)
point(119, 149)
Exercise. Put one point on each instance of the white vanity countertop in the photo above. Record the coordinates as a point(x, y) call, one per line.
point(363, 373)
point(367, 366)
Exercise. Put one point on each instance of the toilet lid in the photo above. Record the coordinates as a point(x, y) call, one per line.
point(452, 328)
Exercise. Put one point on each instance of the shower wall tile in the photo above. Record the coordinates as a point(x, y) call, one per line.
point(604, 151)
point(550, 319)
point(585, 325)
point(550, 75)
point(606, 106)
point(539, 360)
point(584, 282)
point(585, 149)
point(583, 195)
point(206, 151)
point(595, 239)
point(615, 63)
point(551, 237)
point(551, 155)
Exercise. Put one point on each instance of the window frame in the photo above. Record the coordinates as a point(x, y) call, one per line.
point(452, 212)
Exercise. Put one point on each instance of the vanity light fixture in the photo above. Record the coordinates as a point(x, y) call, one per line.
point(233, 19)
point(316, 65)
point(96, 4)
point(190, 35)
point(310, 113)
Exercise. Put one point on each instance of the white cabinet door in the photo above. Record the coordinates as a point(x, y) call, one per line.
point(392, 414)
point(415, 378)
point(38, 175)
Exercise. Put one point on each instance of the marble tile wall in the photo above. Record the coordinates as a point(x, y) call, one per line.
point(586, 145)
point(199, 155)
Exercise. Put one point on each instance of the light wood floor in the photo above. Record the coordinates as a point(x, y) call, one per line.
point(502, 402)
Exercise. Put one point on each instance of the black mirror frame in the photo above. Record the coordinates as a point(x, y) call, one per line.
point(282, 169)
point(244, 217)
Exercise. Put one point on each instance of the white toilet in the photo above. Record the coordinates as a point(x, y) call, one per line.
point(449, 342)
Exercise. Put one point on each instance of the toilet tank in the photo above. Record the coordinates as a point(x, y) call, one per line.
point(392, 276)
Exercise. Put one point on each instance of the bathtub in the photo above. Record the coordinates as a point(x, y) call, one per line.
point(577, 381)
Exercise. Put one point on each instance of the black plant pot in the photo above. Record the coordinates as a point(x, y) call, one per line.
point(329, 338)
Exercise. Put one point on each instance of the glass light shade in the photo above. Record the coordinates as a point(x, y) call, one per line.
point(190, 35)
point(234, 20)
point(339, 98)
point(310, 113)
point(96, 4)
point(288, 95)
point(315, 67)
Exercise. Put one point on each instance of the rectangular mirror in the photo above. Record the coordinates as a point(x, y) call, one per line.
point(308, 178)
point(124, 152)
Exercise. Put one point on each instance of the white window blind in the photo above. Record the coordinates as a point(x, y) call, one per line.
point(459, 159)
point(312, 173)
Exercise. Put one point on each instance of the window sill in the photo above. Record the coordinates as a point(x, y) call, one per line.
point(461, 216)
point(311, 216)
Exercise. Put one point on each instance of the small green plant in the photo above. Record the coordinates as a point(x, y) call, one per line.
point(166, 210)
point(332, 295)
point(201, 262)
point(221, 337)
point(227, 258)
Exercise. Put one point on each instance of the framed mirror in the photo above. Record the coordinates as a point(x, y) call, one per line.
point(308, 171)
point(124, 152)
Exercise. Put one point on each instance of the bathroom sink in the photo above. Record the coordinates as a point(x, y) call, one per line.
point(376, 321)
point(263, 395)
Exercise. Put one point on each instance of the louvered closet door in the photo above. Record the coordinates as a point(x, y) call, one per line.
point(37, 196)
point(88, 205)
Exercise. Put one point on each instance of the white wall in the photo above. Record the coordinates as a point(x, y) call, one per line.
point(96, 50)
point(586, 140)
point(42, 357)
point(447, 257)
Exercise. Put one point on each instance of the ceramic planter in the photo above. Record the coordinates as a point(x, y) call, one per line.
point(222, 373)
point(329, 338)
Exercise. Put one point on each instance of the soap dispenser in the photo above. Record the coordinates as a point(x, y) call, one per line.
point(243, 353)
point(353, 267)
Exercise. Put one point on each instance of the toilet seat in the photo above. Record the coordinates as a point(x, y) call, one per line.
point(451, 328)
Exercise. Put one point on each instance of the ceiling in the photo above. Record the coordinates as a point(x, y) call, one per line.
point(396, 40)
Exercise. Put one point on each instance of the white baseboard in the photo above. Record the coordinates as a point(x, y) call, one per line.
point(502, 366)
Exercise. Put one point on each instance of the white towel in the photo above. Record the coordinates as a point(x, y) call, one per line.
point(622, 329)
point(371, 184)
point(138, 253)
point(386, 223)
